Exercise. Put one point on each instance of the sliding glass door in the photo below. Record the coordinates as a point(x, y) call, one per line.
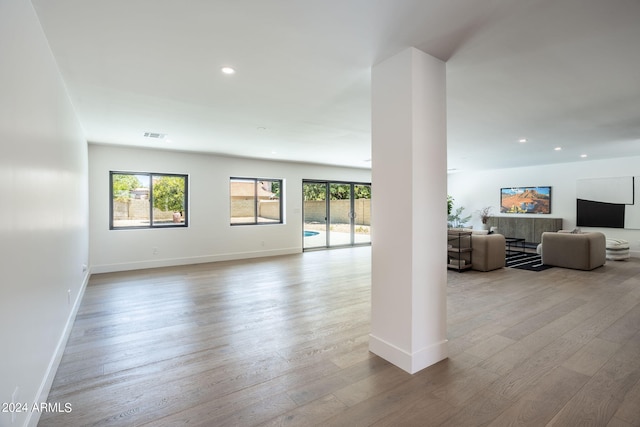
point(336, 214)
point(362, 213)
point(340, 223)
point(315, 214)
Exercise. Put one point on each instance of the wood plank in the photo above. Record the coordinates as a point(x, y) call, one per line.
point(284, 341)
point(629, 410)
point(597, 402)
point(589, 359)
point(538, 405)
point(481, 410)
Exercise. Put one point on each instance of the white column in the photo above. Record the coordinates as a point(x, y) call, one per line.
point(409, 183)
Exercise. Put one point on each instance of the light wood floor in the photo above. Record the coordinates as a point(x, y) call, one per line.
point(283, 341)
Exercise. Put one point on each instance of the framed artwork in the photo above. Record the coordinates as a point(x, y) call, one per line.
point(525, 200)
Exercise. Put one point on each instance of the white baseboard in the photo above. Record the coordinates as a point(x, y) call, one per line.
point(171, 262)
point(409, 362)
point(43, 392)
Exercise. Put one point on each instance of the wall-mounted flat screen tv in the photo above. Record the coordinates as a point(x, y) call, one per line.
point(525, 200)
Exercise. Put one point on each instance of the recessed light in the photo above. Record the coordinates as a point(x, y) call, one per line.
point(228, 70)
point(522, 140)
point(583, 155)
point(558, 148)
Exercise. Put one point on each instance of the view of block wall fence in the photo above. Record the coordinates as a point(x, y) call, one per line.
point(269, 209)
point(136, 209)
point(314, 211)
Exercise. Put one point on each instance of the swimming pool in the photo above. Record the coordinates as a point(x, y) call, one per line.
point(310, 233)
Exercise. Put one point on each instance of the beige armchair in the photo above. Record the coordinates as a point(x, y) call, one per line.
point(581, 251)
point(488, 251)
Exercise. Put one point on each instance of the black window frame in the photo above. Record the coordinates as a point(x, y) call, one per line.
point(151, 175)
point(256, 200)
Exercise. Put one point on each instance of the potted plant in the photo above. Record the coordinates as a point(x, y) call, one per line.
point(456, 220)
point(485, 214)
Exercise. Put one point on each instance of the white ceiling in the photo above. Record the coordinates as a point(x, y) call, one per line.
point(557, 72)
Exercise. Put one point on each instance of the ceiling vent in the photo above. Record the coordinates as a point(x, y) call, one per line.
point(155, 135)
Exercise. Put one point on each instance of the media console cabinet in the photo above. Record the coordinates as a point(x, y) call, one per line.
point(528, 228)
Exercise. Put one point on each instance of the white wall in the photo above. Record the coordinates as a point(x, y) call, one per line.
point(209, 236)
point(43, 211)
point(477, 189)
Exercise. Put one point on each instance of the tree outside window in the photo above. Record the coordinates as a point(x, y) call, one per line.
point(144, 200)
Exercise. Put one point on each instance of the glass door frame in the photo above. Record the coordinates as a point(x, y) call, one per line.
point(327, 220)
